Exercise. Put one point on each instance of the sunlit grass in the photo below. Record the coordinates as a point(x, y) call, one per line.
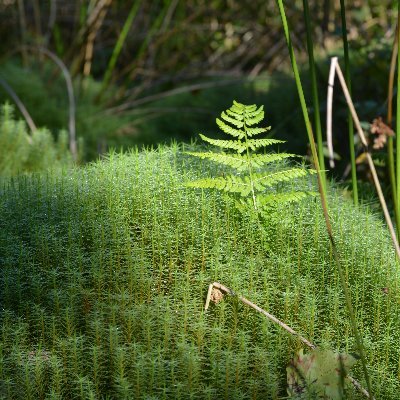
point(104, 274)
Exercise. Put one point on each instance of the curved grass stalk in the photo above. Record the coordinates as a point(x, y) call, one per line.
point(71, 98)
point(346, 291)
point(20, 106)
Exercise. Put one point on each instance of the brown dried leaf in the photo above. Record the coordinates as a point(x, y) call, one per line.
point(378, 127)
point(216, 295)
point(379, 142)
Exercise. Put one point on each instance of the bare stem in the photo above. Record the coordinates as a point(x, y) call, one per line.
point(368, 154)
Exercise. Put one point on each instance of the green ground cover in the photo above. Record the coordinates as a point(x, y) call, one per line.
point(105, 270)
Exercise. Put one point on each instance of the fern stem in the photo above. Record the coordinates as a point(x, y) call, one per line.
point(324, 202)
point(349, 116)
point(248, 158)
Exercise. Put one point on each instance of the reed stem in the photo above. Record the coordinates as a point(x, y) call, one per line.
point(324, 202)
point(398, 118)
point(390, 145)
point(350, 119)
point(314, 88)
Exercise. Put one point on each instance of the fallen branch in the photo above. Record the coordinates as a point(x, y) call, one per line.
point(211, 295)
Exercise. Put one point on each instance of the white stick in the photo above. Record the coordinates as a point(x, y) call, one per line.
point(329, 100)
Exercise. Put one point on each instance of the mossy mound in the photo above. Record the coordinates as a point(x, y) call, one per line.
point(105, 270)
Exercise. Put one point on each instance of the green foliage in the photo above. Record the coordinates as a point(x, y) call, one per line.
point(318, 375)
point(256, 181)
point(21, 152)
point(104, 272)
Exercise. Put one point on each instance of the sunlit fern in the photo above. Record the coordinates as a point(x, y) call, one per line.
point(249, 180)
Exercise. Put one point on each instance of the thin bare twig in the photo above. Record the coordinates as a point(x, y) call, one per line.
point(271, 317)
point(368, 155)
point(70, 90)
point(20, 106)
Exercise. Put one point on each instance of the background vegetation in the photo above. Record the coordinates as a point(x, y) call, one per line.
point(105, 266)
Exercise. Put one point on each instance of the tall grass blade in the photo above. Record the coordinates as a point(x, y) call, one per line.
point(119, 44)
point(398, 116)
point(324, 202)
point(350, 120)
point(390, 146)
point(314, 88)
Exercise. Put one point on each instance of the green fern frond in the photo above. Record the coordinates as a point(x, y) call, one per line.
point(233, 114)
point(237, 145)
point(256, 131)
point(258, 160)
point(279, 198)
point(230, 183)
point(239, 133)
point(254, 120)
point(257, 143)
point(254, 117)
point(235, 121)
point(239, 106)
point(255, 183)
point(253, 111)
point(236, 161)
point(250, 108)
point(281, 176)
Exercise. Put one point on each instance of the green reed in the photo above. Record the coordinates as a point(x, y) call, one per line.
point(349, 116)
point(323, 197)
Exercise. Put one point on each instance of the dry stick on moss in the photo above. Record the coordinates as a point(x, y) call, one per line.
point(368, 154)
point(272, 318)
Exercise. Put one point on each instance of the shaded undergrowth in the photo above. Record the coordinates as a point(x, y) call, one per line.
point(104, 273)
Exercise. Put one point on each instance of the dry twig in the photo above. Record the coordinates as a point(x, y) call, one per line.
point(221, 288)
point(335, 64)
